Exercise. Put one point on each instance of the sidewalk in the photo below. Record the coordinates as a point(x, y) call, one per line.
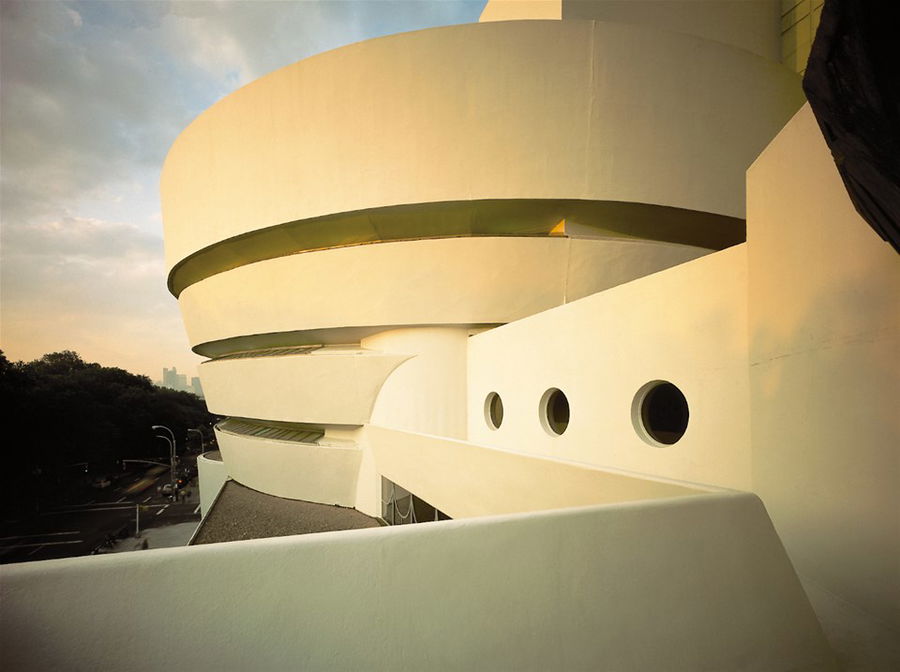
point(157, 537)
point(164, 536)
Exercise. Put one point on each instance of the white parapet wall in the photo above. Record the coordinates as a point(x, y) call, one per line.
point(465, 480)
point(443, 281)
point(685, 584)
point(686, 325)
point(294, 470)
point(824, 330)
point(211, 475)
point(326, 386)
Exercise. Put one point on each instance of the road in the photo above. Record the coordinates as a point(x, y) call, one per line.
point(78, 529)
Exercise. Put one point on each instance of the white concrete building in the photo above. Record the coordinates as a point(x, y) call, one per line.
point(581, 277)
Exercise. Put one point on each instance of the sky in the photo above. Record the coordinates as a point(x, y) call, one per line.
point(92, 95)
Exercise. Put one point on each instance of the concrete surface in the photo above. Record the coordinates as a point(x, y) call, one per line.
point(243, 513)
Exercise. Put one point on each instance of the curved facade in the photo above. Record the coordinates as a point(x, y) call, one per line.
point(396, 196)
point(392, 198)
point(485, 266)
point(547, 111)
point(480, 272)
point(304, 470)
point(325, 386)
point(449, 281)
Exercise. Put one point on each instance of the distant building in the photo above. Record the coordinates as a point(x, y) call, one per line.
point(178, 381)
point(169, 377)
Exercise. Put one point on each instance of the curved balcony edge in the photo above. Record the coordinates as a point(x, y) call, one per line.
point(469, 281)
point(486, 218)
point(309, 472)
point(323, 387)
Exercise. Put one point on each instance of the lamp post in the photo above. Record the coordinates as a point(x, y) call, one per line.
point(197, 431)
point(171, 440)
point(171, 457)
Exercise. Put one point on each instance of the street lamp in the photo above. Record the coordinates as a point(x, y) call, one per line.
point(171, 440)
point(197, 431)
point(171, 456)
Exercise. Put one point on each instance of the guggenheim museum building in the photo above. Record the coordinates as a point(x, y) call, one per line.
point(579, 290)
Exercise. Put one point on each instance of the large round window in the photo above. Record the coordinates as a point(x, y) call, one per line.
point(493, 410)
point(660, 413)
point(554, 411)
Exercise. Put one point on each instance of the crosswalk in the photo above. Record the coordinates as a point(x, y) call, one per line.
point(36, 541)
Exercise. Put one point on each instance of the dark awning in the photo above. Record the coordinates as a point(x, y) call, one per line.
point(852, 82)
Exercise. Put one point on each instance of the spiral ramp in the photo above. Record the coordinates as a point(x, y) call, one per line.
point(336, 230)
point(366, 246)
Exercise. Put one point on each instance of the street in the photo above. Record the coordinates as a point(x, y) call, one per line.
point(79, 529)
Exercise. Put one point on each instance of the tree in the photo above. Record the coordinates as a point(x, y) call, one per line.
point(67, 412)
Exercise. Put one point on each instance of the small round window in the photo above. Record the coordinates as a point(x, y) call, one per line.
point(660, 413)
point(554, 411)
point(493, 410)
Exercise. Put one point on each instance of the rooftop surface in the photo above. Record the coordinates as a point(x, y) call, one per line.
point(243, 513)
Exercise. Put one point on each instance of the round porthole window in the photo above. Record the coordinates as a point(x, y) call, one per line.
point(493, 410)
point(660, 413)
point(554, 411)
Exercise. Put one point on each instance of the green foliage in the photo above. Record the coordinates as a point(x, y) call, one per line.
point(67, 411)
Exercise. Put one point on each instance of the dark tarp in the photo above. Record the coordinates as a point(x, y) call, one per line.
point(852, 82)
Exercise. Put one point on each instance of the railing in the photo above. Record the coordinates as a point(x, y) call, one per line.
point(269, 352)
point(276, 432)
point(410, 516)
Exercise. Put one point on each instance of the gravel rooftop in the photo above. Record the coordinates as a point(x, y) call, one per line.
point(243, 513)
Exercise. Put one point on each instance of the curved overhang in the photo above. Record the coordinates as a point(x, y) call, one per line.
point(340, 336)
point(445, 281)
point(521, 217)
point(325, 386)
point(310, 472)
point(475, 115)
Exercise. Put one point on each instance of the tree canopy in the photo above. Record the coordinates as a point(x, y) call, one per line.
point(63, 413)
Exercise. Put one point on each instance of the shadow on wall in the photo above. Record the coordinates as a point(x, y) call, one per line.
point(823, 386)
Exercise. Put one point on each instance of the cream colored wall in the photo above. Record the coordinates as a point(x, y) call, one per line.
point(211, 476)
point(697, 583)
point(465, 480)
point(501, 110)
point(686, 325)
point(326, 386)
point(594, 265)
point(746, 24)
point(427, 393)
point(368, 483)
point(619, 221)
point(325, 473)
point(445, 281)
point(825, 374)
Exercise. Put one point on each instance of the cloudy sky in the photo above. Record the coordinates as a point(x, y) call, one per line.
point(92, 95)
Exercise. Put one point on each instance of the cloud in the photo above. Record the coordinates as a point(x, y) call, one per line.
point(83, 237)
point(82, 266)
point(259, 36)
point(93, 95)
point(93, 286)
point(94, 90)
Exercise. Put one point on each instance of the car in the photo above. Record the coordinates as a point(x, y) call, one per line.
point(101, 482)
point(173, 488)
